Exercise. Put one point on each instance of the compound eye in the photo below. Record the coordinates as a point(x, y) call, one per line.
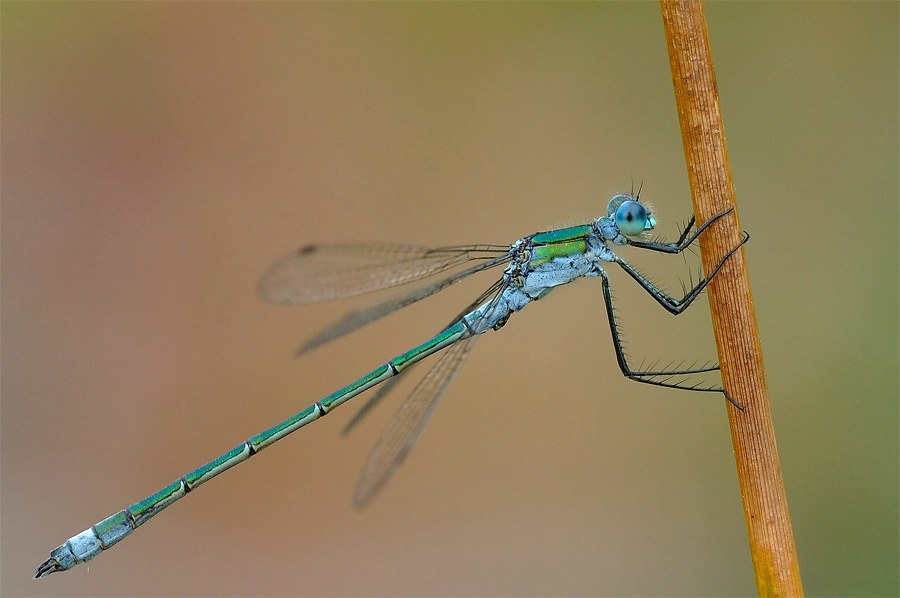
point(631, 218)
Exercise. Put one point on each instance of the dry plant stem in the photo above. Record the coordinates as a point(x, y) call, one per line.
point(769, 529)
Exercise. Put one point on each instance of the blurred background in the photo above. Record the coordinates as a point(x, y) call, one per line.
point(158, 157)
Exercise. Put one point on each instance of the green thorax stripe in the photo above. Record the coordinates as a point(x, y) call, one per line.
point(559, 243)
point(564, 234)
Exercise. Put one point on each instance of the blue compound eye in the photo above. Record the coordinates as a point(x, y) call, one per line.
point(631, 218)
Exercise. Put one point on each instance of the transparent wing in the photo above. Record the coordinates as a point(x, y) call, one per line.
point(383, 389)
point(408, 424)
point(324, 272)
point(387, 386)
point(357, 318)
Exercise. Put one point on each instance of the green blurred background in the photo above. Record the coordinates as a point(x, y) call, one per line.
point(158, 157)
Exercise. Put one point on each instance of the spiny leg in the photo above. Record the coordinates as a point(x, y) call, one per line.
point(684, 240)
point(672, 305)
point(652, 377)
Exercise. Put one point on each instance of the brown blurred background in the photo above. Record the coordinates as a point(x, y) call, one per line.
point(158, 157)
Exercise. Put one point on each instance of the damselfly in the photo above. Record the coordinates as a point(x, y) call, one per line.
point(534, 266)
